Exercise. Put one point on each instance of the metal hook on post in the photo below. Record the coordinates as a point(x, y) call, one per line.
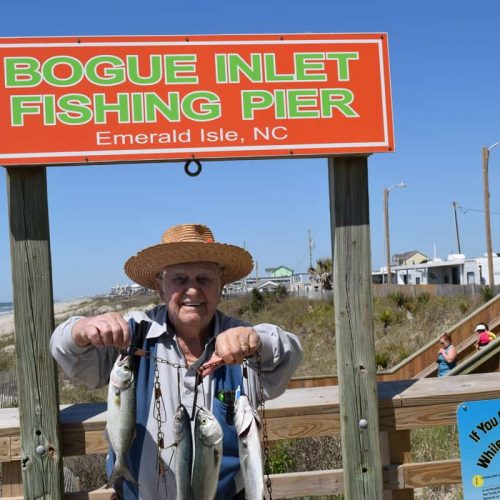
point(193, 173)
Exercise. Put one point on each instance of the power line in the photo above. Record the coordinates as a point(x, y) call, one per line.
point(465, 210)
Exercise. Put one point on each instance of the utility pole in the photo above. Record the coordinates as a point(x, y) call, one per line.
point(311, 245)
point(455, 206)
point(487, 223)
point(387, 239)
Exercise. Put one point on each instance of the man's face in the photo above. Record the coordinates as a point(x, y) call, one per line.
point(191, 293)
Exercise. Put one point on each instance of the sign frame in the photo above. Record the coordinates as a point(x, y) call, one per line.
point(303, 101)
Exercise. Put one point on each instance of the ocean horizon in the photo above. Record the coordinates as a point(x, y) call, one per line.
point(6, 307)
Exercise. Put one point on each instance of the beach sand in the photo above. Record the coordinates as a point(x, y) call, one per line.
point(60, 308)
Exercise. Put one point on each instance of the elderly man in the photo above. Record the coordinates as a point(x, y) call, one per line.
point(188, 269)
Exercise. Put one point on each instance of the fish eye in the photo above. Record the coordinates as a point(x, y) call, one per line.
point(204, 420)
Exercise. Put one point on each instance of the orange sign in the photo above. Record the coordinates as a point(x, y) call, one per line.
point(107, 99)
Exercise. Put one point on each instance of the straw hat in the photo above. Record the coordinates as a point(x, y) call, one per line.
point(188, 243)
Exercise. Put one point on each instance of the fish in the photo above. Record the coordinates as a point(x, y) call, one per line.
point(120, 426)
point(184, 452)
point(248, 424)
point(207, 455)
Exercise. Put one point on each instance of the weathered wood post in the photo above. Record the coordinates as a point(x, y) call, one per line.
point(41, 460)
point(358, 399)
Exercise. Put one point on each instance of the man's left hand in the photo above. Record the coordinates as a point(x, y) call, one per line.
point(232, 347)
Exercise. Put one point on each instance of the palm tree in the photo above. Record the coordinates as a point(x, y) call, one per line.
point(322, 273)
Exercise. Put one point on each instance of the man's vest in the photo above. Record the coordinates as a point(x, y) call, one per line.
point(228, 379)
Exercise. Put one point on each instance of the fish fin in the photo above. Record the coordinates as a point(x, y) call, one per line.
point(257, 418)
point(120, 471)
point(245, 423)
point(128, 476)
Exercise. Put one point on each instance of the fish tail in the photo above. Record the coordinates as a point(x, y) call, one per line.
point(120, 470)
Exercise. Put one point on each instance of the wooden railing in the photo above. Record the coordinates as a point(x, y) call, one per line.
point(299, 413)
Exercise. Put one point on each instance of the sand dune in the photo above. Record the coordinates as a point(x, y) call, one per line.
point(60, 308)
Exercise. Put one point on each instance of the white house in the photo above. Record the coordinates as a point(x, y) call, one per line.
point(455, 270)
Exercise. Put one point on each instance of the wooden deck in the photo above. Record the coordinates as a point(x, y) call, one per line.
point(302, 413)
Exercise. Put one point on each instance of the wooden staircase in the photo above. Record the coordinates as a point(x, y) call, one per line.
point(422, 363)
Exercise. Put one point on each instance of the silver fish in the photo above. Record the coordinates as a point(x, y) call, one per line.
point(120, 427)
point(184, 453)
point(207, 455)
point(247, 423)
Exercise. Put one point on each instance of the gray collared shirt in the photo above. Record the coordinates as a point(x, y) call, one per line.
point(281, 354)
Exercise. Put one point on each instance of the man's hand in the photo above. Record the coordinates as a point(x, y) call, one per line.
point(232, 347)
point(109, 329)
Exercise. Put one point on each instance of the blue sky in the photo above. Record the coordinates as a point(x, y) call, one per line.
point(446, 100)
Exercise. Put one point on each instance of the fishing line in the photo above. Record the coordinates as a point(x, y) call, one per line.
point(246, 381)
point(196, 384)
point(179, 402)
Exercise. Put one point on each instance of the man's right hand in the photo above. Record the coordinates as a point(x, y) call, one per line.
point(105, 330)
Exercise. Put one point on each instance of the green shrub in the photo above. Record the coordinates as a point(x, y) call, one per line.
point(258, 301)
point(280, 292)
point(423, 298)
point(382, 359)
point(487, 293)
point(8, 362)
point(399, 298)
point(279, 459)
point(386, 317)
point(463, 307)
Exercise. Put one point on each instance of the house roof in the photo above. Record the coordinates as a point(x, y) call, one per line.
point(272, 284)
point(407, 255)
point(272, 269)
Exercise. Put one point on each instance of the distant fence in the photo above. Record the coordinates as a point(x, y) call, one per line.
point(383, 290)
point(8, 390)
point(434, 290)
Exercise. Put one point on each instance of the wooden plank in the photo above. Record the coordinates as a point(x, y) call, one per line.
point(5, 453)
point(423, 474)
point(449, 388)
point(352, 277)
point(314, 381)
point(100, 494)
point(279, 428)
point(318, 483)
point(77, 443)
point(299, 484)
point(417, 417)
point(12, 481)
point(34, 323)
point(293, 402)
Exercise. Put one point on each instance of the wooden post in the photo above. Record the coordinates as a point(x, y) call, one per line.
point(358, 399)
point(41, 459)
point(396, 451)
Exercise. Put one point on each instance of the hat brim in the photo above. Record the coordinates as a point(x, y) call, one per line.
point(144, 267)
